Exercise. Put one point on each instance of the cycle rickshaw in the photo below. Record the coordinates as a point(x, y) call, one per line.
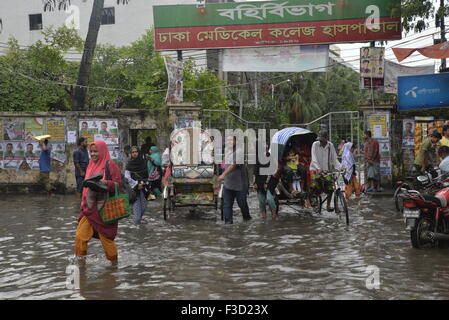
point(191, 179)
point(284, 140)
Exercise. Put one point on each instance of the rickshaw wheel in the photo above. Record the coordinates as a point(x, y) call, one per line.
point(165, 208)
point(316, 203)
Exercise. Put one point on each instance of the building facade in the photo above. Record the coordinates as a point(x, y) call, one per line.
point(123, 21)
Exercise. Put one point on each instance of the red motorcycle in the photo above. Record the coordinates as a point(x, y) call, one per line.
point(427, 217)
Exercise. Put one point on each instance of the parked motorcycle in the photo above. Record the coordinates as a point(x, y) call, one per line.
point(427, 216)
point(428, 183)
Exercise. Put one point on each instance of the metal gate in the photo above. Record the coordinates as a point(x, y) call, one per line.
point(225, 119)
point(340, 125)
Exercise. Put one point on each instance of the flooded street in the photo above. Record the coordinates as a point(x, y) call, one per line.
point(194, 256)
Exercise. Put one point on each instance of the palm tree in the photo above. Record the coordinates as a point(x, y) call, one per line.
point(306, 99)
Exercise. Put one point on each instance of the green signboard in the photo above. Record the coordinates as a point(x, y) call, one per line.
point(292, 22)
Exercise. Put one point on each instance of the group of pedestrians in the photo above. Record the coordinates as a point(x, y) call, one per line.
point(142, 171)
point(141, 167)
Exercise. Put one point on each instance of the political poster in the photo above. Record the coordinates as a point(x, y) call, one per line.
point(34, 127)
point(100, 129)
point(175, 80)
point(372, 66)
point(32, 154)
point(13, 154)
point(58, 151)
point(408, 134)
point(56, 128)
point(13, 129)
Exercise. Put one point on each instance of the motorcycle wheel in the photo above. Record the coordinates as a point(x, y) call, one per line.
point(418, 234)
point(397, 200)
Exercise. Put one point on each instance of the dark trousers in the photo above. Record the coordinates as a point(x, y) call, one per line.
point(229, 196)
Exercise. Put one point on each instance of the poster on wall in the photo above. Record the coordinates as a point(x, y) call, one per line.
point(100, 129)
point(56, 128)
point(13, 154)
point(34, 127)
point(1, 155)
point(32, 154)
point(384, 149)
point(385, 166)
point(408, 134)
point(58, 151)
point(378, 124)
point(13, 129)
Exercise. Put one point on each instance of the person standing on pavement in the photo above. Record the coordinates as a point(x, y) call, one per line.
point(236, 184)
point(45, 166)
point(81, 161)
point(372, 159)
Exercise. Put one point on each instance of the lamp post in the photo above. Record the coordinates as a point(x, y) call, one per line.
point(275, 85)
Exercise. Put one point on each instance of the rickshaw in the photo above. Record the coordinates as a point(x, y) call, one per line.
point(191, 179)
point(284, 140)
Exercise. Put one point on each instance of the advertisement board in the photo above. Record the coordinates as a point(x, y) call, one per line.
point(423, 92)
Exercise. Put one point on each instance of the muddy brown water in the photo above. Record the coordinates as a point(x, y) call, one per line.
point(194, 256)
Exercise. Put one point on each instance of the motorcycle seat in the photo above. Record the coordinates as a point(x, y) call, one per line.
point(439, 201)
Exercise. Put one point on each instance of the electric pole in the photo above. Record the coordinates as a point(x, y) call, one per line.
point(443, 33)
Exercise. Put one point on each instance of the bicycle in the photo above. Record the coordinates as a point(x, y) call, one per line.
point(340, 203)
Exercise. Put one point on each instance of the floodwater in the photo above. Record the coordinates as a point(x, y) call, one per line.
point(194, 256)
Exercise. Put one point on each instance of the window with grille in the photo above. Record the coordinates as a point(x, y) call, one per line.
point(108, 16)
point(36, 22)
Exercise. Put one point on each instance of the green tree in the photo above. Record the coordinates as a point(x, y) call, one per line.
point(27, 75)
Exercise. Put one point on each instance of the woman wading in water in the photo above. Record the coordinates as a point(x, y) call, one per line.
point(93, 198)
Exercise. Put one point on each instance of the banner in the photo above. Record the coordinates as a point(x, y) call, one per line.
point(175, 84)
point(100, 129)
point(13, 154)
point(395, 70)
point(408, 134)
point(34, 127)
point(437, 51)
point(274, 23)
point(423, 92)
point(13, 129)
point(56, 128)
point(32, 154)
point(314, 58)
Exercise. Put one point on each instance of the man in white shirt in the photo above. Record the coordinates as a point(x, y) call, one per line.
point(324, 158)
